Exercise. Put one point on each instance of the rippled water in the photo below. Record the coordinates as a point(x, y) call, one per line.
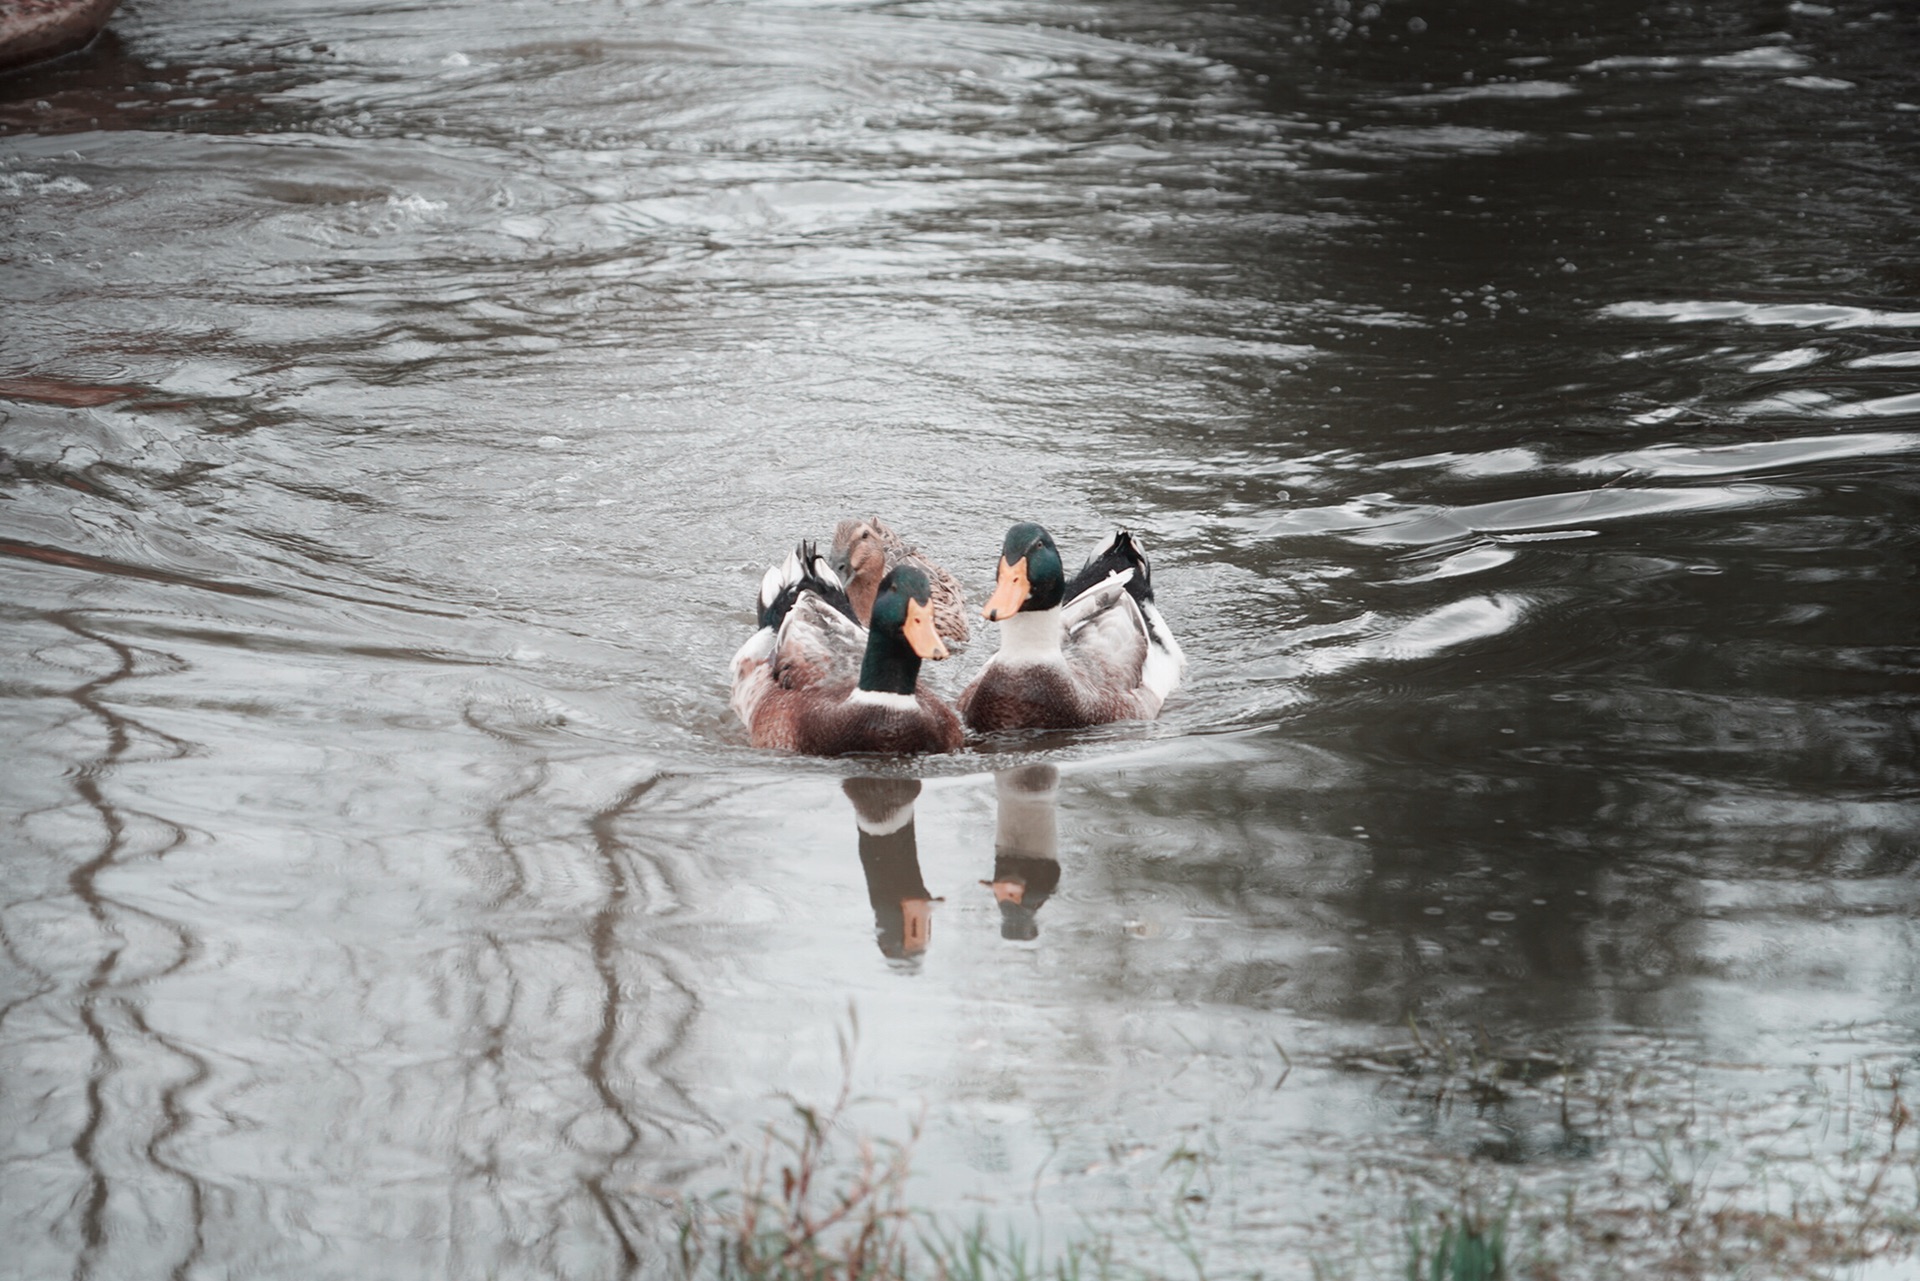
point(400, 404)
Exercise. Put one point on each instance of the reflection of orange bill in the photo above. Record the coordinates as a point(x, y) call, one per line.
point(919, 631)
point(1010, 591)
point(1007, 891)
point(917, 919)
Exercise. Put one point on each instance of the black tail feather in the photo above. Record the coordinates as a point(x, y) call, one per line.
point(816, 577)
point(1121, 553)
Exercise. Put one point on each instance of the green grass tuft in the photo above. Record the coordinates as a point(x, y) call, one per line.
point(1471, 1246)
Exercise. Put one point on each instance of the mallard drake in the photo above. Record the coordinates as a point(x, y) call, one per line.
point(1072, 653)
point(864, 550)
point(812, 680)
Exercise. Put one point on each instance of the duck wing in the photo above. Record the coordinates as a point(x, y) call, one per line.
point(807, 635)
point(779, 675)
point(1106, 640)
point(818, 645)
point(1120, 646)
point(1122, 558)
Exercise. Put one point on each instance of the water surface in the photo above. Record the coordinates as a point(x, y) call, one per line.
point(401, 403)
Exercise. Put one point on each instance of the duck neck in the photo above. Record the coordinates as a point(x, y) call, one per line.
point(861, 589)
point(891, 666)
point(1032, 636)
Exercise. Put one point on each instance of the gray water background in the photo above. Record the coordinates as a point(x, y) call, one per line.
point(1520, 405)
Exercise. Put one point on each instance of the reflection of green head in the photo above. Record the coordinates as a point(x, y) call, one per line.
point(1037, 879)
point(1046, 577)
point(891, 859)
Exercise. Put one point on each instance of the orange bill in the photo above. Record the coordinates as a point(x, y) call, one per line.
point(1010, 591)
point(919, 631)
point(1007, 891)
point(917, 920)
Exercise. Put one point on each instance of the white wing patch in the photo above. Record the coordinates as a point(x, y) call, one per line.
point(1166, 662)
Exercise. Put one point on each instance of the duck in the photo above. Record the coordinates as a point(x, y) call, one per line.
point(812, 680)
point(864, 549)
point(49, 28)
point(1073, 653)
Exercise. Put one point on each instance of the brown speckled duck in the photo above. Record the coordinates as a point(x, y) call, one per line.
point(1072, 653)
point(813, 680)
point(864, 550)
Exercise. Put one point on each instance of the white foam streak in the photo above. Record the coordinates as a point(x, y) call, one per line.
point(1453, 624)
point(1800, 315)
point(1723, 460)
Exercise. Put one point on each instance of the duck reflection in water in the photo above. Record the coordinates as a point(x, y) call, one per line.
point(1026, 847)
point(890, 856)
